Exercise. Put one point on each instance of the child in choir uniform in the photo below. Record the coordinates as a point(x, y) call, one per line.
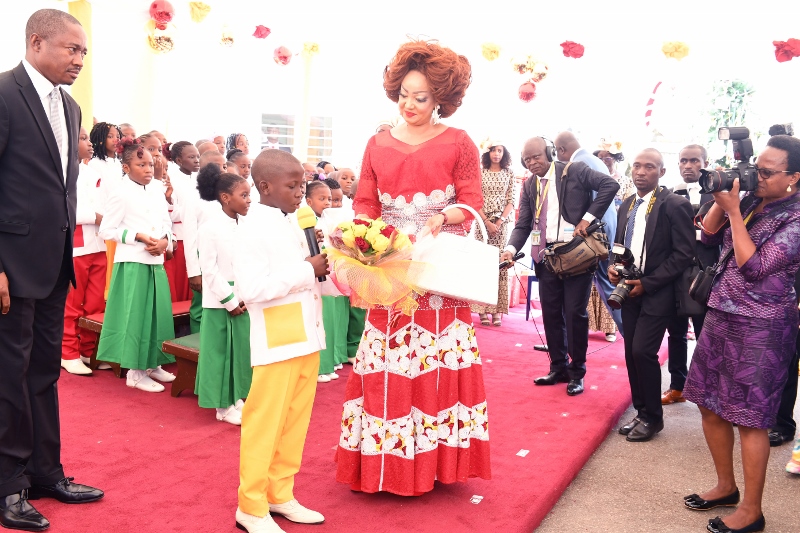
point(104, 138)
point(346, 179)
point(89, 260)
point(184, 164)
point(278, 283)
point(138, 316)
point(239, 159)
point(223, 372)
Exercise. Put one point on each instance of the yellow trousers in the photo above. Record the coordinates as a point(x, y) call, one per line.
point(275, 421)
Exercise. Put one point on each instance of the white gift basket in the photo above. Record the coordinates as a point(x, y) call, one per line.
point(459, 267)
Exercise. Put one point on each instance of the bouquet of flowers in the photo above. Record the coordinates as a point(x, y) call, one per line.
point(372, 263)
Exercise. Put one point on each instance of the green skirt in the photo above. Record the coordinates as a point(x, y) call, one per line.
point(224, 373)
point(138, 317)
point(335, 317)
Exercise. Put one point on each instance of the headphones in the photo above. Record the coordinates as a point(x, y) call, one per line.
point(549, 151)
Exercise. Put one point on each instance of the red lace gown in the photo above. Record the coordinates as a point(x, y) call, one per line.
point(415, 405)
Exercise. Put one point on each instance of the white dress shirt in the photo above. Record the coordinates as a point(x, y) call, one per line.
point(216, 261)
point(43, 89)
point(87, 234)
point(278, 286)
point(111, 177)
point(132, 209)
point(639, 227)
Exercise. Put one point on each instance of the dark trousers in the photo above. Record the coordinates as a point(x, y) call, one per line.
point(566, 322)
point(785, 423)
point(644, 335)
point(30, 364)
point(678, 347)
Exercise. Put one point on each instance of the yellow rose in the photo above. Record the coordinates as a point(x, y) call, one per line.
point(401, 241)
point(380, 243)
point(372, 233)
point(378, 223)
point(346, 226)
point(349, 239)
point(359, 230)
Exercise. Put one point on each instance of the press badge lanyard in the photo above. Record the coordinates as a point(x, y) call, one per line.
point(536, 234)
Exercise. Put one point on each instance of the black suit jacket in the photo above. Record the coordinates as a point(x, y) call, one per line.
point(37, 206)
point(574, 193)
point(669, 241)
point(706, 255)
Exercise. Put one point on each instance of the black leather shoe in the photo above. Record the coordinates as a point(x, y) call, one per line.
point(776, 438)
point(66, 491)
point(575, 387)
point(716, 525)
point(696, 503)
point(17, 513)
point(552, 378)
point(644, 431)
point(627, 428)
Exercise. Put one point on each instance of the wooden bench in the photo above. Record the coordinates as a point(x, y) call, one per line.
point(186, 351)
point(180, 314)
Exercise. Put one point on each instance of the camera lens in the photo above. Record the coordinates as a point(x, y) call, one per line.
point(714, 181)
point(618, 295)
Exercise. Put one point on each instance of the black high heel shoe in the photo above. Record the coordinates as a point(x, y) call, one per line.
point(716, 525)
point(696, 503)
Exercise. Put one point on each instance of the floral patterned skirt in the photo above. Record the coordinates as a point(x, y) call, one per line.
point(415, 406)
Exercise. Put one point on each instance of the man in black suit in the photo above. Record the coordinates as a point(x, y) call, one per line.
point(656, 226)
point(39, 126)
point(691, 160)
point(557, 203)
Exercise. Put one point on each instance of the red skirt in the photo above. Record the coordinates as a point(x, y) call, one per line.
point(415, 405)
point(177, 276)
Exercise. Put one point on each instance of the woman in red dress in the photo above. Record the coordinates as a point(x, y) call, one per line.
point(415, 408)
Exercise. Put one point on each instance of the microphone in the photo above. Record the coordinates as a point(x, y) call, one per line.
point(507, 263)
point(308, 221)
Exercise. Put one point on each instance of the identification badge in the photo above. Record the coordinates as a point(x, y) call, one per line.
point(536, 237)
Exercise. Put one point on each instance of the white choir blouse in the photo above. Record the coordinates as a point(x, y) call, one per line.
point(87, 234)
point(215, 244)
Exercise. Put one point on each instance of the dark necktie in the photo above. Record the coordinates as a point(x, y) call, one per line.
point(631, 223)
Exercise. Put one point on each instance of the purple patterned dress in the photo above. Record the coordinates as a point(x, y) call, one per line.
point(741, 361)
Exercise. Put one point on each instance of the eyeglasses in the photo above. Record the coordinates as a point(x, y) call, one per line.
point(767, 173)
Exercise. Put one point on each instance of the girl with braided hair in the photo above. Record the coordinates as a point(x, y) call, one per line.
point(242, 162)
point(239, 141)
point(138, 316)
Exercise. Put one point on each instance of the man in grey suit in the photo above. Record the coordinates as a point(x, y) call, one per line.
point(569, 149)
point(39, 126)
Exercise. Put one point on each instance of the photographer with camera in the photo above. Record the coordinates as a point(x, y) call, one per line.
point(558, 203)
point(741, 361)
point(655, 226)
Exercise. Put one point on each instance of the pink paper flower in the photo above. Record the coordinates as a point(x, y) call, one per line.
point(786, 50)
point(572, 49)
point(262, 32)
point(282, 55)
point(527, 91)
point(161, 12)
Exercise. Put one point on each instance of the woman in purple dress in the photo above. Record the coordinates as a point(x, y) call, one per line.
point(742, 358)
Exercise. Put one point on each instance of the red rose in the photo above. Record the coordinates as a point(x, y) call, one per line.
point(387, 231)
point(262, 32)
point(162, 12)
point(786, 50)
point(359, 222)
point(527, 91)
point(362, 244)
point(572, 49)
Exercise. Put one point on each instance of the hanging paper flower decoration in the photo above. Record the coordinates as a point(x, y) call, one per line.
point(282, 55)
point(199, 11)
point(572, 49)
point(262, 32)
point(161, 12)
point(310, 49)
point(160, 40)
point(520, 64)
point(527, 91)
point(539, 71)
point(227, 37)
point(675, 49)
point(786, 50)
point(490, 51)
point(612, 147)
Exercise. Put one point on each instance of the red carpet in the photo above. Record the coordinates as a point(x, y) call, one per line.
point(167, 465)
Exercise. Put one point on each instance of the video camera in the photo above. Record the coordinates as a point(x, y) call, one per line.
point(722, 180)
point(627, 270)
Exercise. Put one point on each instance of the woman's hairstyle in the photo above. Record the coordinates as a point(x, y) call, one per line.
point(230, 144)
point(127, 147)
point(332, 183)
point(98, 138)
point(505, 162)
point(175, 149)
point(322, 164)
point(211, 182)
point(448, 73)
point(234, 154)
point(618, 157)
point(790, 145)
point(314, 185)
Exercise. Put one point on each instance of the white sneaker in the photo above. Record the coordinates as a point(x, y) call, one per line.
point(256, 524)
point(294, 512)
point(86, 360)
point(338, 367)
point(611, 337)
point(323, 378)
point(333, 375)
point(231, 415)
point(239, 405)
point(138, 379)
point(160, 374)
point(76, 366)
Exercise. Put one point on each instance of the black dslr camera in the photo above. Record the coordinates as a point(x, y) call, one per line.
point(722, 180)
point(627, 270)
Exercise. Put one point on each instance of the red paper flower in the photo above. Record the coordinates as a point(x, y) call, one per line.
point(162, 12)
point(282, 55)
point(387, 231)
point(362, 244)
point(527, 91)
point(359, 222)
point(262, 32)
point(786, 50)
point(572, 49)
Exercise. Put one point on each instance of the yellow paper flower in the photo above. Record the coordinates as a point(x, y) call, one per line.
point(310, 49)
point(490, 51)
point(199, 10)
point(675, 49)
